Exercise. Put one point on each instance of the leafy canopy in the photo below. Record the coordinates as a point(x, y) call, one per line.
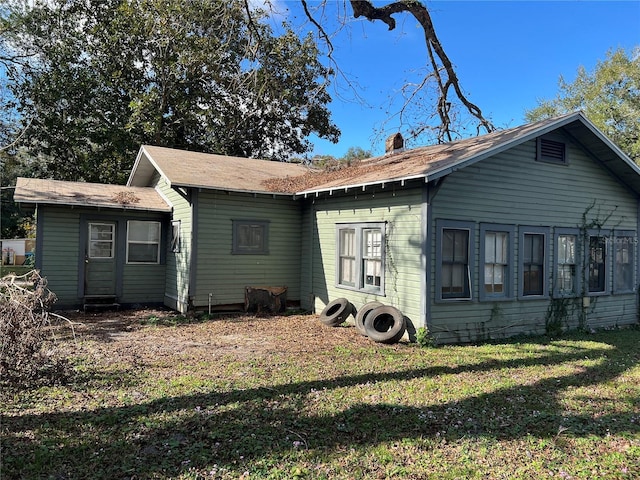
point(99, 78)
point(609, 96)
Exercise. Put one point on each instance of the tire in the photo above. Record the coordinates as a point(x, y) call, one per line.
point(385, 324)
point(366, 309)
point(336, 312)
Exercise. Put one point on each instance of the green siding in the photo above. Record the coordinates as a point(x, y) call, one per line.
point(512, 188)
point(142, 284)
point(60, 252)
point(176, 284)
point(223, 275)
point(306, 270)
point(402, 212)
point(62, 258)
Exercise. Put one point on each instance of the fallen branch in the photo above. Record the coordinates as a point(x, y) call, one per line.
point(25, 302)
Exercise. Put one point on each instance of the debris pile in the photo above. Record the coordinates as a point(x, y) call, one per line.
point(25, 348)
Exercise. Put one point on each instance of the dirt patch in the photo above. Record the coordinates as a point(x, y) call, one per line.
point(151, 335)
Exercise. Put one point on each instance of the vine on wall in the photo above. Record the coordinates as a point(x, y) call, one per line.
point(561, 310)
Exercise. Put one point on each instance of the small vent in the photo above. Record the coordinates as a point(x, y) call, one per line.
point(551, 151)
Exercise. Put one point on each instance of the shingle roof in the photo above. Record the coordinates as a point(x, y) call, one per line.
point(192, 169)
point(435, 161)
point(200, 170)
point(57, 192)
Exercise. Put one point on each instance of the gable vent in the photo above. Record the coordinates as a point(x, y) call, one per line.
point(551, 151)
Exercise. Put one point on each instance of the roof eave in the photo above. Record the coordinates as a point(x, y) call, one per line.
point(231, 190)
point(144, 153)
point(35, 203)
point(363, 185)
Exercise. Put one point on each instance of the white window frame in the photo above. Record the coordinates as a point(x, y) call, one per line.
point(112, 241)
point(360, 256)
point(140, 242)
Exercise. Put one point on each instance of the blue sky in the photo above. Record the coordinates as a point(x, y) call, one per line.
point(508, 54)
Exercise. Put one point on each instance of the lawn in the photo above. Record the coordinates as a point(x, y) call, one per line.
point(287, 397)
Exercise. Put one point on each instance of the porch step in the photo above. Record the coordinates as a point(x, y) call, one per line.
point(100, 301)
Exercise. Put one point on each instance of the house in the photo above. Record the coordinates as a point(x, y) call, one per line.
point(519, 231)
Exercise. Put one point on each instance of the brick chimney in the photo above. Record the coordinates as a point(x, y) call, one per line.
point(394, 143)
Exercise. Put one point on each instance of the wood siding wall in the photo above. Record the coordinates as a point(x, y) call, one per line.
point(59, 241)
point(176, 286)
point(225, 275)
point(402, 211)
point(61, 259)
point(513, 189)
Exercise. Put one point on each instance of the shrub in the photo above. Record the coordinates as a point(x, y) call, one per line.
point(424, 338)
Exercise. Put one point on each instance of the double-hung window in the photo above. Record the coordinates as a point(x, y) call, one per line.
point(360, 260)
point(372, 257)
point(624, 243)
point(567, 266)
point(454, 257)
point(143, 242)
point(597, 262)
point(534, 251)
point(496, 261)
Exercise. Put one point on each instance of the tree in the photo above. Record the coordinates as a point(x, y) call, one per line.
point(91, 80)
point(609, 96)
point(356, 153)
point(107, 76)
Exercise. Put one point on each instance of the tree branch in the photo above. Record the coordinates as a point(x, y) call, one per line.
point(437, 57)
point(321, 31)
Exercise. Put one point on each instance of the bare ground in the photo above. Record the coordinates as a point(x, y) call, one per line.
point(147, 335)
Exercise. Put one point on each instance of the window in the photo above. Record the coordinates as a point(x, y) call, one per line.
point(347, 268)
point(550, 151)
point(372, 257)
point(567, 279)
point(533, 262)
point(143, 242)
point(101, 240)
point(597, 263)
point(454, 244)
point(250, 237)
point(360, 262)
point(496, 260)
point(624, 245)
point(175, 236)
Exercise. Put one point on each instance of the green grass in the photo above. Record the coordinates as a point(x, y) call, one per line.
point(533, 408)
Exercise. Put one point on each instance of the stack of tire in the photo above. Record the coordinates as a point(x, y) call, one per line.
point(381, 323)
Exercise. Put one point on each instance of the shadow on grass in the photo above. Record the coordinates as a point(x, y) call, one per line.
point(232, 429)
